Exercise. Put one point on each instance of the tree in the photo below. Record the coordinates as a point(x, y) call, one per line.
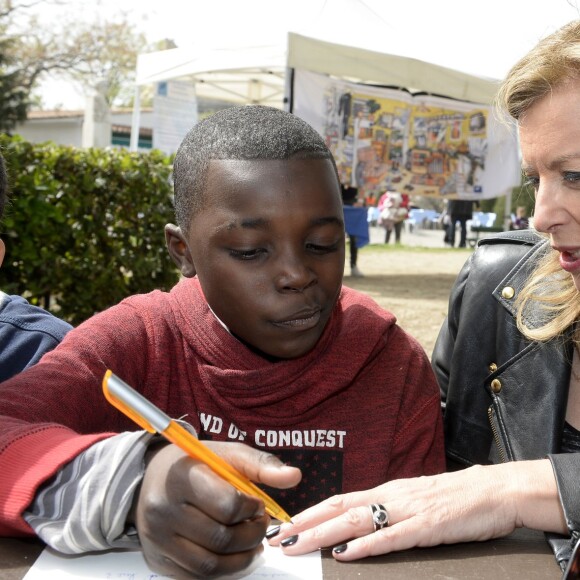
point(79, 240)
point(108, 55)
point(13, 94)
point(13, 91)
point(89, 53)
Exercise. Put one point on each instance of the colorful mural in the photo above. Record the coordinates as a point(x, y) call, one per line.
point(390, 139)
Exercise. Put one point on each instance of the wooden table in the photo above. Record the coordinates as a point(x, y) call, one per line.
point(522, 556)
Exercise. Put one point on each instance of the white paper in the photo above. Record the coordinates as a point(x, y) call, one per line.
point(130, 565)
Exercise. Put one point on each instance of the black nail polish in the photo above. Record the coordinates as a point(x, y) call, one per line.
point(290, 541)
point(340, 549)
point(273, 531)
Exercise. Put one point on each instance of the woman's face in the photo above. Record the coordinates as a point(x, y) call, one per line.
point(550, 143)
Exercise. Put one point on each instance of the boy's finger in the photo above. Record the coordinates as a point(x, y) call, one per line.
point(259, 466)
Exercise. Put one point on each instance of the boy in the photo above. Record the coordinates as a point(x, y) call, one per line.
point(26, 331)
point(259, 343)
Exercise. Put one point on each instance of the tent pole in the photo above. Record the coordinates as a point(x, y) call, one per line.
point(289, 92)
point(508, 211)
point(135, 120)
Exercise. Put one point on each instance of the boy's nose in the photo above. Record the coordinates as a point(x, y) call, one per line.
point(294, 274)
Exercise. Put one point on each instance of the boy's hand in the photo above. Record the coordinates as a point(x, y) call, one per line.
point(192, 523)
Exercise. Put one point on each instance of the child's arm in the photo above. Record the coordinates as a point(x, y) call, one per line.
point(84, 507)
point(183, 512)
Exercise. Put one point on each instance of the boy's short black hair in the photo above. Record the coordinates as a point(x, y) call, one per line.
point(246, 132)
point(3, 186)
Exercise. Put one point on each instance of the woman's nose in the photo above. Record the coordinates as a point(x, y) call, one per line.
point(549, 211)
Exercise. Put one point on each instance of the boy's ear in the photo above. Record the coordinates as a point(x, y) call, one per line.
point(179, 250)
point(2, 251)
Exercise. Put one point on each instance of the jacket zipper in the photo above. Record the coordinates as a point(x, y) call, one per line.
point(496, 437)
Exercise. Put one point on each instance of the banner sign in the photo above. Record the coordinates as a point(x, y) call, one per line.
point(174, 114)
point(419, 144)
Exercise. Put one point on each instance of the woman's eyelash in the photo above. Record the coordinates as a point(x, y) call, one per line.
point(572, 176)
point(530, 181)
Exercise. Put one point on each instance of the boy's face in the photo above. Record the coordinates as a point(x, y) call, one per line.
point(268, 249)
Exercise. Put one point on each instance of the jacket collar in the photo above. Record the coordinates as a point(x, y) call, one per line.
point(509, 288)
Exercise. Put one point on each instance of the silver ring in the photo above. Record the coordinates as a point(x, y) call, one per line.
point(380, 516)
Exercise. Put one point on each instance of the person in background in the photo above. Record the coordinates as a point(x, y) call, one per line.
point(507, 359)
point(394, 210)
point(27, 332)
point(350, 197)
point(259, 347)
point(370, 199)
point(521, 221)
point(460, 211)
point(444, 221)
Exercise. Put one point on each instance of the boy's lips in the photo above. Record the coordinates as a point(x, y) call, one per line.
point(303, 320)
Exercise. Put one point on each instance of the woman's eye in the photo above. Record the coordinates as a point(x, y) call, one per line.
point(246, 254)
point(530, 181)
point(572, 176)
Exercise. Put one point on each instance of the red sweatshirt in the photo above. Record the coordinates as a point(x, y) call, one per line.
point(358, 410)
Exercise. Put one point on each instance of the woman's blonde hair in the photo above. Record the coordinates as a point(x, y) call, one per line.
point(554, 61)
point(549, 302)
point(550, 291)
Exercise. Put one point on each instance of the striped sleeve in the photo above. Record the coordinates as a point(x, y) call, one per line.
point(84, 507)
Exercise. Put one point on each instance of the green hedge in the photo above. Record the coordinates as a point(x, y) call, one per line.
point(84, 227)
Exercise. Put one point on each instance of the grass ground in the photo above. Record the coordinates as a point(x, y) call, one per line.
point(411, 282)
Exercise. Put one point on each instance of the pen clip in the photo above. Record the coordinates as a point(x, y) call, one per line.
point(133, 404)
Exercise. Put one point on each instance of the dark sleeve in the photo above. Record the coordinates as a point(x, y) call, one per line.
point(27, 333)
point(445, 343)
point(567, 472)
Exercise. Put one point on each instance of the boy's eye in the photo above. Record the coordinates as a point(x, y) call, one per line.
point(247, 254)
point(322, 249)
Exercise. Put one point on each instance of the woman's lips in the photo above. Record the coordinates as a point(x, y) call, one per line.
point(570, 261)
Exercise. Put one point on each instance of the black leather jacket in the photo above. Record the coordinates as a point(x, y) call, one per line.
point(504, 397)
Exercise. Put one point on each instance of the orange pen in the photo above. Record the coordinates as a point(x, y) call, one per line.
point(154, 420)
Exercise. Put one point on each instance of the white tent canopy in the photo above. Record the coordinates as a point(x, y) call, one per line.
point(370, 67)
point(249, 74)
point(259, 73)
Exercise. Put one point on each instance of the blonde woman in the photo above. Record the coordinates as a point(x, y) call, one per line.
point(506, 360)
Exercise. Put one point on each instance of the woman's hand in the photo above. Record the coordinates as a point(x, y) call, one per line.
point(192, 523)
point(478, 503)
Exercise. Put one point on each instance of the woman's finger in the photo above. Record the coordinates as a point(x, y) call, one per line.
point(400, 536)
point(324, 514)
point(354, 523)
